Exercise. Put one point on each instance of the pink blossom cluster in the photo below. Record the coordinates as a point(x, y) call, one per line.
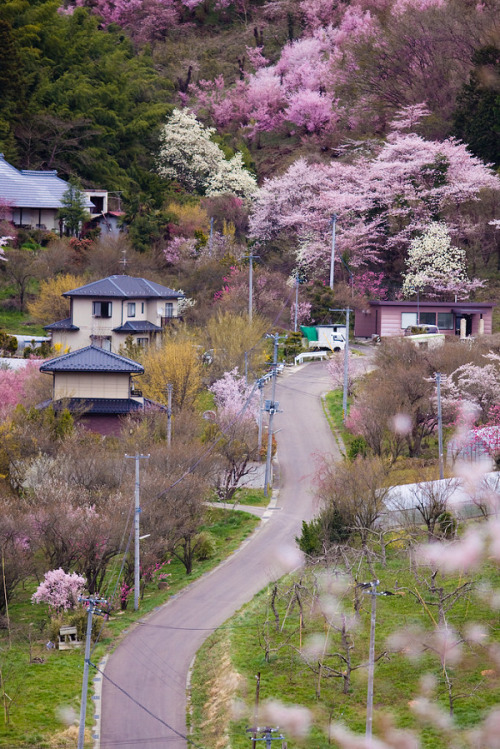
point(232, 396)
point(60, 590)
point(303, 313)
point(156, 572)
point(381, 201)
point(15, 385)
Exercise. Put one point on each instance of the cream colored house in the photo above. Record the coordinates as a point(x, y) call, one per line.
point(97, 386)
point(105, 312)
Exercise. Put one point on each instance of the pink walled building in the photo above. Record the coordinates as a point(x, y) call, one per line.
point(391, 318)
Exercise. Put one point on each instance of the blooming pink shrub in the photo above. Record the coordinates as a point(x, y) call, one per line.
point(60, 590)
point(15, 385)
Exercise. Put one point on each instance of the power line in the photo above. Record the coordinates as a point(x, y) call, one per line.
point(146, 709)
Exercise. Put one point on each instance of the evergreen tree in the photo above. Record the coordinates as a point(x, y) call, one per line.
point(477, 116)
point(73, 211)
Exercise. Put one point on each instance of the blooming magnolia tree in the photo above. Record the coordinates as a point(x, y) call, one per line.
point(3, 242)
point(436, 267)
point(59, 589)
point(188, 155)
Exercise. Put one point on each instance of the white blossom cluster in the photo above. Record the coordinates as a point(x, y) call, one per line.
point(435, 266)
point(188, 155)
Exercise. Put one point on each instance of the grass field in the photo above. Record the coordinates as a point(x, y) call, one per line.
point(42, 691)
point(236, 653)
point(15, 322)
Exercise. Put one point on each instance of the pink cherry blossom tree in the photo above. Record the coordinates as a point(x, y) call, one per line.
point(381, 201)
point(16, 385)
point(60, 590)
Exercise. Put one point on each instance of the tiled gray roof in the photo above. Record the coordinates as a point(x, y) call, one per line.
point(91, 359)
point(61, 325)
point(125, 287)
point(31, 189)
point(138, 326)
point(109, 406)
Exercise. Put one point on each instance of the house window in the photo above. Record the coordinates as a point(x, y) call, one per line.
point(101, 341)
point(445, 321)
point(428, 318)
point(130, 309)
point(408, 318)
point(142, 342)
point(101, 309)
point(142, 308)
point(169, 309)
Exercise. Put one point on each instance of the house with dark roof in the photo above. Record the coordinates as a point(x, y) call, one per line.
point(33, 198)
point(464, 319)
point(105, 312)
point(97, 386)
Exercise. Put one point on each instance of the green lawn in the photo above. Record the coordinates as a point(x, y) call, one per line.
point(287, 677)
point(249, 496)
point(40, 691)
point(13, 321)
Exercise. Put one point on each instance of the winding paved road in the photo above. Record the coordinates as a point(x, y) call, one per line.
point(152, 662)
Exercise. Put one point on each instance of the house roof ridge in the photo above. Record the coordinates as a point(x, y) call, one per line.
point(61, 362)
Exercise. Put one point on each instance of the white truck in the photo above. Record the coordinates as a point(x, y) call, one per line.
point(324, 337)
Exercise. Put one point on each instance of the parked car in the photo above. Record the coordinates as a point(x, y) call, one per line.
point(421, 329)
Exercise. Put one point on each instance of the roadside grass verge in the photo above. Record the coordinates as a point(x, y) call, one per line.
point(42, 691)
point(334, 412)
point(248, 496)
point(287, 677)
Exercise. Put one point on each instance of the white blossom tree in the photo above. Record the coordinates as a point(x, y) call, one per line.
point(189, 155)
point(435, 266)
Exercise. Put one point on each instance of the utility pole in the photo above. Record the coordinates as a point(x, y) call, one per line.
point(346, 366)
point(256, 711)
point(251, 258)
point(371, 590)
point(94, 603)
point(371, 660)
point(272, 407)
point(211, 237)
point(438, 376)
point(267, 735)
point(169, 413)
point(296, 303)
point(137, 565)
point(347, 311)
point(332, 259)
point(260, 385)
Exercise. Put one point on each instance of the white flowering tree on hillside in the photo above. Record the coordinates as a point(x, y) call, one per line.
point(189, 155)
point(435, 266)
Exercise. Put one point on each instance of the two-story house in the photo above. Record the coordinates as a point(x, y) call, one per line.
point(98, 387)
point(105, 312)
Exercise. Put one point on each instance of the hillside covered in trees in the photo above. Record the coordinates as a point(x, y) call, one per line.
point(270, 117)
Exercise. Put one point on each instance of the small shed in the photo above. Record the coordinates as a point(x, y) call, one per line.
point(384, 318)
